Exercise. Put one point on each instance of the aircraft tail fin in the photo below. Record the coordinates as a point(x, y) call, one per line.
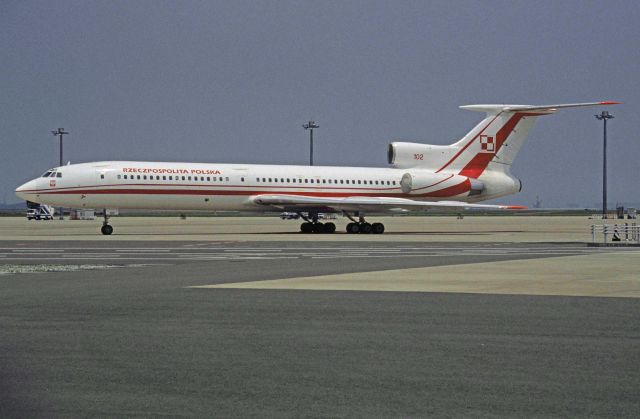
point(491, 145)
point(494, 143)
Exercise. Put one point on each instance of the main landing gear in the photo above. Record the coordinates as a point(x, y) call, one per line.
point(312, 225)
point(106, 228)
point(363, 227)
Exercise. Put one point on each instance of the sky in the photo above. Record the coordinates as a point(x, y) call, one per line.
point(233, 82)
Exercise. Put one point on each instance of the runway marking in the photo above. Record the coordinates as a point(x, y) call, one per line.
point(568, 276)
point(212, 253)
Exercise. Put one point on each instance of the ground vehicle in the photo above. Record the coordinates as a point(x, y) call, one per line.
point(41, 212)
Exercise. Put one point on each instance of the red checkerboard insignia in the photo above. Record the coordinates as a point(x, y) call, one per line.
point(487, 144)
point(52, 183)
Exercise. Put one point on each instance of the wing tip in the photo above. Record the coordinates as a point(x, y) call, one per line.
point(516, 207)
point(611, 102)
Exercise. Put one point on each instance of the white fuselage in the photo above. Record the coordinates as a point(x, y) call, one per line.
point(205, 186)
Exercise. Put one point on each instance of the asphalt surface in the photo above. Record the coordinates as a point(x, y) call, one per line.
point(130, 338)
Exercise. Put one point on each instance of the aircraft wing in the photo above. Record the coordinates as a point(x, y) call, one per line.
point(364, 203)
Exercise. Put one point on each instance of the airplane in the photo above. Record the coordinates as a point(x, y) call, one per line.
point(421, 176)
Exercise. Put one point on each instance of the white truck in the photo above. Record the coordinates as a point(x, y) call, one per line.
point(40, 212)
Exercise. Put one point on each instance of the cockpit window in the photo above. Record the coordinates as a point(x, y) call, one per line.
point(59, 174)
point(47, 173)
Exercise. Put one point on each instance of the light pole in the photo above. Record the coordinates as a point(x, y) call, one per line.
point(60, 132)
point(310, 126)
point(603, 117)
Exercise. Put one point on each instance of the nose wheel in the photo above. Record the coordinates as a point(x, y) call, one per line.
point(106, 228)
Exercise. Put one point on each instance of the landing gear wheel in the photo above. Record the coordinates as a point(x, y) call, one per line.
point(353, 228)
point(106, 229)
point(329, 228)
point(318, 228)
point(377, 228)
point(365, 228)
point(306, 227)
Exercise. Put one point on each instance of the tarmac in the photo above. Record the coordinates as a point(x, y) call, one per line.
point(240, 317)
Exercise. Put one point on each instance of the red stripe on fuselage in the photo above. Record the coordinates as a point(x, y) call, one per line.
point(446, 192)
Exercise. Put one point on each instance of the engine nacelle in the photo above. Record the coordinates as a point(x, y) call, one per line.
point(439, 184)
point(405, 155)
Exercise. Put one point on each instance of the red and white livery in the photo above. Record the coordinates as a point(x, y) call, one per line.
point(420, 176)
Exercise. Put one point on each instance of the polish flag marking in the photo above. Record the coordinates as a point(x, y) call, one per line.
point(487, 144)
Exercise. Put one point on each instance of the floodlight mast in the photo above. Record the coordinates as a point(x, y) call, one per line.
point(603, 117)
point(60, 132)
point(310, 126)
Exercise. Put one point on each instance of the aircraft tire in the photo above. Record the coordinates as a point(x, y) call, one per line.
point(106, 230)
point(365, 228)
point(353, 228)
point(306, 227)
point(329, 228)
point(318, 228)
point(377, 228)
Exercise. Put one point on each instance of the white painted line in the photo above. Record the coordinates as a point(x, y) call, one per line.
point(144, 250)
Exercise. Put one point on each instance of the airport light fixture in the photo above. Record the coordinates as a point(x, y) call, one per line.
point(603, 117)
point(310, 126)
point(60, 132)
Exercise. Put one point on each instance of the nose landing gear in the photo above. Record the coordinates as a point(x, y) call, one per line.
point(106, 228)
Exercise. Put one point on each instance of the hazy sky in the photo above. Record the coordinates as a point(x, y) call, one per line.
point(233, 81)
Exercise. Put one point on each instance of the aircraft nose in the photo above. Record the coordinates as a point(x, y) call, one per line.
point(22, 191)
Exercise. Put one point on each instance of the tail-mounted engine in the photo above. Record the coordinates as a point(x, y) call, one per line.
point(441, 185)
point(425, 156)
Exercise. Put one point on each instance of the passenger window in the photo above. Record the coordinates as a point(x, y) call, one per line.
point(125, 176)
point(306, 181)
point(144, 177)
point(101, 176)
point(208, 178)
point(394, 182)
point(170, 177)
point(241, 179)
point(138, 177)
point(324, 181)
point(164, 178)
point(227, 178)
point(119, 176)
point(288, 180)
point(183, 178)
point(341, 181)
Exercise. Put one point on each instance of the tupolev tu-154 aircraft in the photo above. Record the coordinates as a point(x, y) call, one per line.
point(421, 176)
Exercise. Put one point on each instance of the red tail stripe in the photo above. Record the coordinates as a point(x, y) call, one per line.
point(479, 162)
point(468, 144)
